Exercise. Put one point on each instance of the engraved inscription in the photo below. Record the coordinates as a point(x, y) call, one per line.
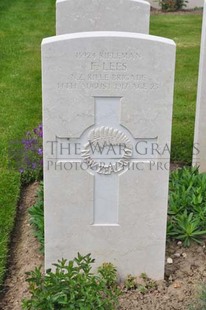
point(102, 137)
point(110, 55)
point(108, 70)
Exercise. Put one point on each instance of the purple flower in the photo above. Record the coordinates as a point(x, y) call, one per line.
point(21, 170)
point(29, 143)
point(33, 165)
point(38, 131)
point(40, 152)
point(33, 152)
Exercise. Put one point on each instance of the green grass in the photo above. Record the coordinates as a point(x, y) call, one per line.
point(23, 24)
point(185, 30)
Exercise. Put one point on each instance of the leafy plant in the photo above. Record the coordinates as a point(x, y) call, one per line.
point(200, 302)
point(37, 216)
point(70, 286)
point(187, 205)
point(146, 285)
point(109, 273)
point(173, 5)
point(130, 282)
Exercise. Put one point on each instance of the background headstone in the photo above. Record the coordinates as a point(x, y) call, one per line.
point(102, 15)
point(114, 87)
point(199, 150)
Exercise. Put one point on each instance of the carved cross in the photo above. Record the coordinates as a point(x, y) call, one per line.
point(108, 150)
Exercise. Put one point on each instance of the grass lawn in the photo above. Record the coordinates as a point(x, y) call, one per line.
point(23, 24)
point(185, 30)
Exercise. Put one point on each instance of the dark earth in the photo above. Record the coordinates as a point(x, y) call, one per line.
point(184, 273)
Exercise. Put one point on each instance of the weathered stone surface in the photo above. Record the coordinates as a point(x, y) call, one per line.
point(199, 150)
point(116, 88)
point(102, 15)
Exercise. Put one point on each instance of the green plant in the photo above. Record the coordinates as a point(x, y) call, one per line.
point(187, 205)
point(173, 5)
point(130, 282)
point(146, 284)
point(37, 216)
point(187, 228)
point(70, 286)
point(109, 273)
point(200, 302)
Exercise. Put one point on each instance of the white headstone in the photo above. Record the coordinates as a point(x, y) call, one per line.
point(199, 150)
point(102, 15)
point(107, 100)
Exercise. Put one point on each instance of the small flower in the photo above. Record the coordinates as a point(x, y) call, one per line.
point(33, 151)
point(40, 152)
point(33, 165)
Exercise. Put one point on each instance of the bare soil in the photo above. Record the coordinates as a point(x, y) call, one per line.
point(178, 291)
point(24, 254)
